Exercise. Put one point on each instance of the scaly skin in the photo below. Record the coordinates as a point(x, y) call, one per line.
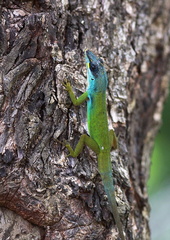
point(101, 140)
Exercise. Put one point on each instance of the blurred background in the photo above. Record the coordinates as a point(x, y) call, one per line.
point(159, 182)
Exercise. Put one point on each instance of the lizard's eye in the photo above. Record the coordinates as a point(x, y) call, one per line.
point(92, 67)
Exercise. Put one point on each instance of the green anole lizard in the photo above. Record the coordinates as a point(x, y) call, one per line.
point(101, 139)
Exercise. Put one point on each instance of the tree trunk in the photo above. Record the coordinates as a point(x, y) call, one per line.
point(41, 44)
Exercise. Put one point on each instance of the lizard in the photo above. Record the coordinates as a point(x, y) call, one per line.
point(101, 140)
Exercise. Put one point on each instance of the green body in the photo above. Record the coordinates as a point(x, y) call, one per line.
point(101, 139)
point(98, 130)
point(97, 120)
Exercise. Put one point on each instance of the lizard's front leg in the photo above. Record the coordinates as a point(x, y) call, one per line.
point(75, 101)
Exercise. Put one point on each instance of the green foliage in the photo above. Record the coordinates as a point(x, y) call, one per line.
point(160, 167)
point(158, 184)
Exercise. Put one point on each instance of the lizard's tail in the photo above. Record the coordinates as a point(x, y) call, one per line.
point(109, 189)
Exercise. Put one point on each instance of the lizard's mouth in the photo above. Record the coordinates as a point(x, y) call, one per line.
point(90, 56)
point(92, 59)
point(92, 63)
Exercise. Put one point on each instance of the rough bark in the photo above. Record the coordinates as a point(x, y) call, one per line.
point(41, 44)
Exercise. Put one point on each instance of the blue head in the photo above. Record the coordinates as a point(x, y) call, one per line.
point(96, 73)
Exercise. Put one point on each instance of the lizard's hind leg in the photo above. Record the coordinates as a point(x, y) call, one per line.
point(84, 140)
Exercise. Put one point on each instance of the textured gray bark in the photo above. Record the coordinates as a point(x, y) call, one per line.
point(41, 44)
